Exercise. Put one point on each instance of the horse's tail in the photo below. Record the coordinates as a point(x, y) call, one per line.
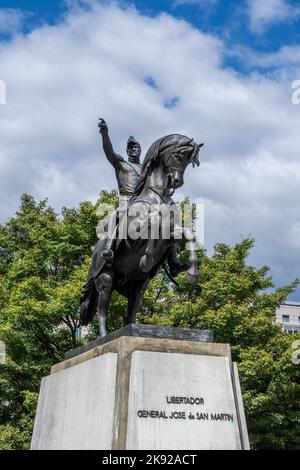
point(89, 301)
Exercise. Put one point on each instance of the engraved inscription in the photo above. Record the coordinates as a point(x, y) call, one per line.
point(184, 415)
point(185, 400)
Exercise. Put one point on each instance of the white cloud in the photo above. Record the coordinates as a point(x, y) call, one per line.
point(287, 58)
point(10, 20)
point(60, 79)
point(264, 13)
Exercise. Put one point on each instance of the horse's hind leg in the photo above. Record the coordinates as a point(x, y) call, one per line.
point(104, 288)
point(135, 295)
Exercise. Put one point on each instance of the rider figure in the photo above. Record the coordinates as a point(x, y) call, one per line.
point(128, 174)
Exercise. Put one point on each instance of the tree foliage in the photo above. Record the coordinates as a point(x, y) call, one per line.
point(44, 258)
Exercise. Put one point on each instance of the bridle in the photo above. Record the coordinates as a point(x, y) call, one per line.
point(172, 165)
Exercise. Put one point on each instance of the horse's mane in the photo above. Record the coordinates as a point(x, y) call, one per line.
point(169, 142)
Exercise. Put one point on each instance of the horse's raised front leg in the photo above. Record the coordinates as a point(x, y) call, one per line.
point(135, 295)
point(104, 285)
point(192, 275)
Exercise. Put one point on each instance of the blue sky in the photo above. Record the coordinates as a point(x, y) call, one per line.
point(223, 76)
point(225, 18)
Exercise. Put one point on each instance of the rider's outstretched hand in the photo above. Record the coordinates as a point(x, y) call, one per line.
point(102, 125)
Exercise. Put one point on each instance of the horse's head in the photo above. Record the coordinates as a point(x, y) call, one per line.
point(176, 153)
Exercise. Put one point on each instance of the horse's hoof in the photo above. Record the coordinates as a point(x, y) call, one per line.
point(190, 279)
point(177, 268)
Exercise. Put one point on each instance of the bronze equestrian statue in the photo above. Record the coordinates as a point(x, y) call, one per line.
point(134, 261)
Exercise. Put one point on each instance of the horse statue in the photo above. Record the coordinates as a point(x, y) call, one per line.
point(138, 255)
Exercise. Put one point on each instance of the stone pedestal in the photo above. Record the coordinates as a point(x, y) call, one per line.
point(134, 392)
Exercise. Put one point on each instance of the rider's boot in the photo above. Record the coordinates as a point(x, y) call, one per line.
point(108, 253)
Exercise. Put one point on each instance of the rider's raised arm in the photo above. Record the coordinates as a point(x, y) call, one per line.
point(112, 157)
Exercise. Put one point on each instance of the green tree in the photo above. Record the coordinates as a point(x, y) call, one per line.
point(44, 258)
point(43, 265)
